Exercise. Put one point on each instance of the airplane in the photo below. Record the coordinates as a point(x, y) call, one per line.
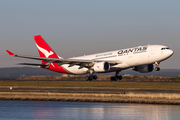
point(141, 59)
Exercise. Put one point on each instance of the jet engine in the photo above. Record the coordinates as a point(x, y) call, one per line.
point(101, 67)
point(144, 68)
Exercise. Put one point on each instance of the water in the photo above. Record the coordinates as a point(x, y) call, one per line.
point(42, 110)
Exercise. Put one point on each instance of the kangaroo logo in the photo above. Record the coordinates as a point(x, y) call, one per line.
point(45, 52)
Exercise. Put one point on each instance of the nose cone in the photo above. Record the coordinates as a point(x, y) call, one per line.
point(169, 53)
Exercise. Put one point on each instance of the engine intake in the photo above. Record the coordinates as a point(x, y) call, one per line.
point(144, 68)
point(101, 67)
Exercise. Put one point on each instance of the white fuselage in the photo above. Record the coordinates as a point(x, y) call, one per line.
point(126, 58)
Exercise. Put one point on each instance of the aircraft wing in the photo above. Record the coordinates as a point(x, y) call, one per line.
point(71, 62)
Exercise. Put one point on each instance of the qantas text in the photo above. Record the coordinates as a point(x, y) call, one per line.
point(133, 50)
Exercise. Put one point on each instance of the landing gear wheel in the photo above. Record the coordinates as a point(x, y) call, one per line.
point(114, 78)
point(157, 68)
point(119, 77)
point(89, 78)
point(95, 77)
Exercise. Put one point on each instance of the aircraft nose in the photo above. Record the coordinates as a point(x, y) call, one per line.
point(170, 52)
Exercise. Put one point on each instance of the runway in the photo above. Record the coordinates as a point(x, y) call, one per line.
point(86, 90)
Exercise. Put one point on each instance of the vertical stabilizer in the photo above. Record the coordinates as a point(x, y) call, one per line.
point(43, 48)
point(45, 51)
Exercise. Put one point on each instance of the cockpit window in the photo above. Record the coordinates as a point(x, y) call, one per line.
point(165, 48)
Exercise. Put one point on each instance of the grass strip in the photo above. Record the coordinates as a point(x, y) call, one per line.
point(149, 85)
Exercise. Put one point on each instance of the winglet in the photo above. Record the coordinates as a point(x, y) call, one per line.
point(9, 52)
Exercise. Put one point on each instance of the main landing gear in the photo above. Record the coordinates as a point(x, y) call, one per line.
point(91, 76)
point(116, 76)
point(157, 68)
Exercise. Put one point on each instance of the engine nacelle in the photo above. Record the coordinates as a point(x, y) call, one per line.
point(144, 68)
point(101, 67)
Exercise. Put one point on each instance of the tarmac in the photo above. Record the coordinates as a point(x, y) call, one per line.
point(86, 90)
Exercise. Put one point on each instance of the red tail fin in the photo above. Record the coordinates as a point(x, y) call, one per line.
point(45, 51)
point(43, 48)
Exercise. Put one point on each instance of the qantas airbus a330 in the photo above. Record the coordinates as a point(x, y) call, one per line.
point(139, 58)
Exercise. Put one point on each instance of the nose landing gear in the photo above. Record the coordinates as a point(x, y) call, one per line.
point(157, 68)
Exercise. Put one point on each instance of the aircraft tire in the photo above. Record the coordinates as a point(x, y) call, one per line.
point(90, 78)
point(113, 78)
point(95, 77)
point(157, 69)
point(87, 78)
point(119, 77)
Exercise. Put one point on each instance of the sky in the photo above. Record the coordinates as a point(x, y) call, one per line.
point(77, 27)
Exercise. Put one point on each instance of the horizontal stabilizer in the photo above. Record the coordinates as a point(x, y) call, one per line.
point(39, 65)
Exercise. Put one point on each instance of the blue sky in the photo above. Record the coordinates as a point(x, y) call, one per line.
point(78, 27)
